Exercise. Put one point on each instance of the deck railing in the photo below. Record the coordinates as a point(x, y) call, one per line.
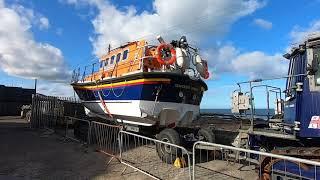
point(96, 70)
point(268, 89)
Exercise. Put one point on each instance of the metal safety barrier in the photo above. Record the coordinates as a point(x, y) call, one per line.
point(45, 112)
point(226, 162)
point(142, 153)
point(163, 160)
point(49, 112)
point(78, 129)
point(106, 137)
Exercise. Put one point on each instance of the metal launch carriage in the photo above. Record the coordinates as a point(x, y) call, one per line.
point(144, 84)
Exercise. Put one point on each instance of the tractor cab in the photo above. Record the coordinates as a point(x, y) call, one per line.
point(302, 94)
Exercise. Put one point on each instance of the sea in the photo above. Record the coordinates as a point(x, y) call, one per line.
point(258, 112)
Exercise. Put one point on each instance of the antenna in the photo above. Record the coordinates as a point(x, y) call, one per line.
point(109, 48)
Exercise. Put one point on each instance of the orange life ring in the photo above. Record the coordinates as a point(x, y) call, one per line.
point(166, 60)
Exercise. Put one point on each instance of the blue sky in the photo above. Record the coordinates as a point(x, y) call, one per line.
point(241, 40)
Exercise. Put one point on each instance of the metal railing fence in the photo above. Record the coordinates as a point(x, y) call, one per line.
point(45, 112)
point(49, 112)
point(106, 138)
point(157, 159)
point(78, 129)
point(226, 162)
point(163, 160)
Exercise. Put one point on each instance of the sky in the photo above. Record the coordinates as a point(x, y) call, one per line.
point(242, 40)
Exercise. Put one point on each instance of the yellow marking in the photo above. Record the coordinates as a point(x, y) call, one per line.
point(180, 162)
point(123, 83)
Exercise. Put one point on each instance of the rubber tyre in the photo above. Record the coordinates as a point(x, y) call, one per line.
point(207, 135)
point(166, 153)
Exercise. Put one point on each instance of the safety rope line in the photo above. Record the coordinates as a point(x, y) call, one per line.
point(107, 94)
point(121, 91)
point(104, 105)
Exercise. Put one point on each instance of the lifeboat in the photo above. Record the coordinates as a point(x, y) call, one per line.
point(144, 84)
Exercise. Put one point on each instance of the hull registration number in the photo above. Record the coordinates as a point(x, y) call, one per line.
point(132, 128)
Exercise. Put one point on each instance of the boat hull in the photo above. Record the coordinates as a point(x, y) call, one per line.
point(143, 95)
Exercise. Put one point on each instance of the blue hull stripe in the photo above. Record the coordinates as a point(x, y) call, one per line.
point(167, 93)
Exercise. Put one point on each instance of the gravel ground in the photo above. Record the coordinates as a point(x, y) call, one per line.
point(32, 154)
point(146, 158)
point(218, 169)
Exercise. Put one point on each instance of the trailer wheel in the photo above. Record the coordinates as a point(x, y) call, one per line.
point(207, 135)
point(167, 153)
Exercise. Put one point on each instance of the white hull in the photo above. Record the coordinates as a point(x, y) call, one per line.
point(141, 108)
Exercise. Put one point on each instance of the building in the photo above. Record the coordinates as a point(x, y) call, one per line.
point(12, 98)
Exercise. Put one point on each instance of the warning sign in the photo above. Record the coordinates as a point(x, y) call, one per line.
point(315, 122)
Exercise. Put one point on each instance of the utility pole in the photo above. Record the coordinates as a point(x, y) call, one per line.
point(35, 85)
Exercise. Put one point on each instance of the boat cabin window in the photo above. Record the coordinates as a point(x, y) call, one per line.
point(125, 54)
point(107, 61)
point(316, 56)
point(112, 59)
point(118, 57)
point(101, 64)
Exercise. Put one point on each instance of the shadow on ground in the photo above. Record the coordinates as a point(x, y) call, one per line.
point(32, 154)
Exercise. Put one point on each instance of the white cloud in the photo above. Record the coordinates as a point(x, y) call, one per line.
point(198, 19)
point(20, 54)
point(28, 16)
point(55, 89)
point(70, 1)
point(263, 23)
point(174, 18)
point(299, 34)
point(258, 64)
point(255, 64)
point(44, 23)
